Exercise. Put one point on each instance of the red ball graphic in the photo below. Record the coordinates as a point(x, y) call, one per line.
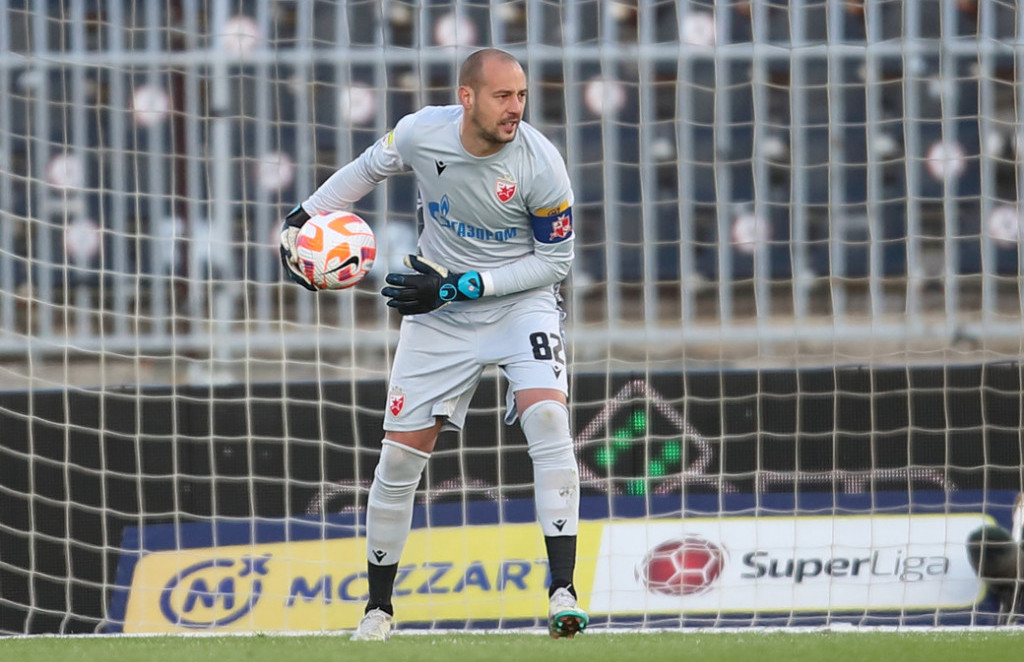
point(681, 567)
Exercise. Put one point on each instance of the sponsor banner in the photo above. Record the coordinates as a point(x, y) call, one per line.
point(714, 562)
point(791, 564)
point(471, 573)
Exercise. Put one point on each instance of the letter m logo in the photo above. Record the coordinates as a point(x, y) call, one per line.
point(200, 592)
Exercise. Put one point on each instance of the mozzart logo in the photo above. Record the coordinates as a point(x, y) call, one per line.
point(214, 592)
point(431, 578)
point(217, 592)
point(284, 585)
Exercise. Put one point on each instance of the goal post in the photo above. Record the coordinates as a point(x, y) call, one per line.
point(793, 319)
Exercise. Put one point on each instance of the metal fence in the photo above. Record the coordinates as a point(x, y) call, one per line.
point(759, 172)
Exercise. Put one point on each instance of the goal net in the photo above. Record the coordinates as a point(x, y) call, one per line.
point(793, 323)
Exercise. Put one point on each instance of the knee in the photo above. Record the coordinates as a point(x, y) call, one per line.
point(546, 426)
point(400, 465)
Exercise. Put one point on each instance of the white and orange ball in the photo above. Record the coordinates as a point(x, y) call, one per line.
point(336, 250)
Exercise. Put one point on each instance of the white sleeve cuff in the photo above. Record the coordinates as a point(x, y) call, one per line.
point(488, 281)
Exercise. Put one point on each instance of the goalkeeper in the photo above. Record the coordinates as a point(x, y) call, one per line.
point(495, 204)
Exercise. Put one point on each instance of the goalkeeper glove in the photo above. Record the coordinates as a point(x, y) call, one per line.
point(289, 235)
point(431, 288)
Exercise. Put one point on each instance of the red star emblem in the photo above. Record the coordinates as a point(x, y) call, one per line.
point(395, 403)
point(505, 188)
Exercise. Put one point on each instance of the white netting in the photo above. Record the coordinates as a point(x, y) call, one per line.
point(788, 214)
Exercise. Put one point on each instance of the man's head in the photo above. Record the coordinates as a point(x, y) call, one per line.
point(492, 91)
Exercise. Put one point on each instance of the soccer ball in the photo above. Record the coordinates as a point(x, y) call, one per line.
point(336, 250)
point(681, 567)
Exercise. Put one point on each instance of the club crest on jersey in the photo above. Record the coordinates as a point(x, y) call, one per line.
point(505, 187)
point(396, 401)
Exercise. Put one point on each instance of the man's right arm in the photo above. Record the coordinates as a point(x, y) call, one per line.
point(340, 192)
point(354, 181)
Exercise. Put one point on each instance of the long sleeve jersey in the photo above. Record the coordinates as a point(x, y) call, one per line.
point(508, 215)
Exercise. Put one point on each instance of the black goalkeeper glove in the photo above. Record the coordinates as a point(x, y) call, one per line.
point(293, 222)
point(431, 288)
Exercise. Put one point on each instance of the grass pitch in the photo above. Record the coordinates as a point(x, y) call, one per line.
point(813, 646)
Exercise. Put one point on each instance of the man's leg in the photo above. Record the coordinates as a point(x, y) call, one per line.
point(389, 509)
point(544, 418)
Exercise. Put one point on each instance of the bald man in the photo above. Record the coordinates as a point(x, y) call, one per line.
point(496, 241)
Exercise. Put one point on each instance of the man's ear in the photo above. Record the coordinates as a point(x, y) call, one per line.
point(465, 95)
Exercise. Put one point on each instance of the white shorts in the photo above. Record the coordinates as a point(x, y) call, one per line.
point(441, 356)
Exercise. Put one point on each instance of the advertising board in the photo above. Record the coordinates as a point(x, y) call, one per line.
point(301, 575)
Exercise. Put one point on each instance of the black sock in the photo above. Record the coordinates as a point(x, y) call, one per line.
point(561, 562)
point(381, 579)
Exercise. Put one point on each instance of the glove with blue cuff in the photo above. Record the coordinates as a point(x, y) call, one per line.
point(430, 288)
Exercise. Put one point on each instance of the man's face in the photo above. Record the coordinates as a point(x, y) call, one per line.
point(496, 107)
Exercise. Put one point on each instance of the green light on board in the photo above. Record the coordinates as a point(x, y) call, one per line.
point(622, 442)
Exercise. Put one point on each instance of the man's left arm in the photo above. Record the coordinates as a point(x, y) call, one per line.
point(433, 285)
point(550, 261)
point(549, 199)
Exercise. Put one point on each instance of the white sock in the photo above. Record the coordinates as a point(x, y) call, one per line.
point(389, 506)
point(556, 478)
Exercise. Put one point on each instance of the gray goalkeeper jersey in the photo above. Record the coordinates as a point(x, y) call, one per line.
point(508, 215)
